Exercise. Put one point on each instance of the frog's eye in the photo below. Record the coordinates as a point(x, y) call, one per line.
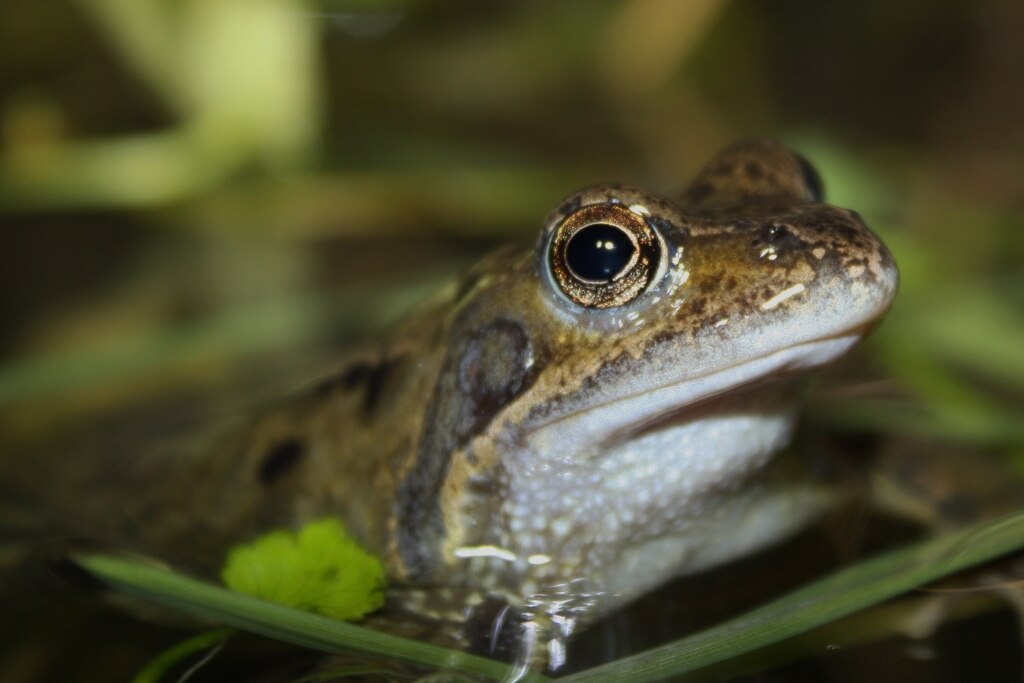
point(603, 255)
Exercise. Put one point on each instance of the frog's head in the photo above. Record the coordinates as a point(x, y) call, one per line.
point(602, 389)
point(749, 275)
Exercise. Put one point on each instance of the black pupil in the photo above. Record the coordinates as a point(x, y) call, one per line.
point(599, 252)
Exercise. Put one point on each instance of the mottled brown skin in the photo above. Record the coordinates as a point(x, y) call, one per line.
point(726, 232)
point(438, 438)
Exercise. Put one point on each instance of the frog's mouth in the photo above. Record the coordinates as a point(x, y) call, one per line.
point(669, 401)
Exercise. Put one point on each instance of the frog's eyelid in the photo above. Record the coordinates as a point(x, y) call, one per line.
point(753, 172)
point(811, 177)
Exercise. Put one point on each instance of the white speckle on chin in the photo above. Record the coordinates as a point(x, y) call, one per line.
point(485, 551)
point(561, 527)
point(787, 293)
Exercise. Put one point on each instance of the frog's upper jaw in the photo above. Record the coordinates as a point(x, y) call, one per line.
point(614, 419)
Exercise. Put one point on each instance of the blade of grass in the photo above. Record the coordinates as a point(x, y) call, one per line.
point(886, 621)
point(841, 594)
point(209, 642)
point(226, 607)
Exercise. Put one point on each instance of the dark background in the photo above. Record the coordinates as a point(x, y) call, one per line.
point(205, 193)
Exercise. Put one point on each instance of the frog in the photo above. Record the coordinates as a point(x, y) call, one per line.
point(571, 423)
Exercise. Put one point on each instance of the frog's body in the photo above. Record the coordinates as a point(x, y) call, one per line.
point(561, 442)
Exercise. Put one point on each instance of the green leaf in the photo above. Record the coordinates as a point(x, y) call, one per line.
point(820, 603)
point(219, 605)
point(210, 641)
point(320, 569)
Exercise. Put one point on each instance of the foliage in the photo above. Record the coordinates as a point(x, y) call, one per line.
point(841, 594)
point(320, 569)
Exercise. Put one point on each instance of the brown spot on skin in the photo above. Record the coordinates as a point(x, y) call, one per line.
point(374, 386)
point(570, 205)
point(780, 238)
point(355, 375)
point(859, 261)
point(482, 486)
point(371, 376)
point(351, 377)
point(493, 365)
point(751, 173)
point(848, 233)
point(708, 286)
point(281, 459)
point(662, 337)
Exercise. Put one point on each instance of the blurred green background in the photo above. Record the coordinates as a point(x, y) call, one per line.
point(199, 194)
point(189, 186)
